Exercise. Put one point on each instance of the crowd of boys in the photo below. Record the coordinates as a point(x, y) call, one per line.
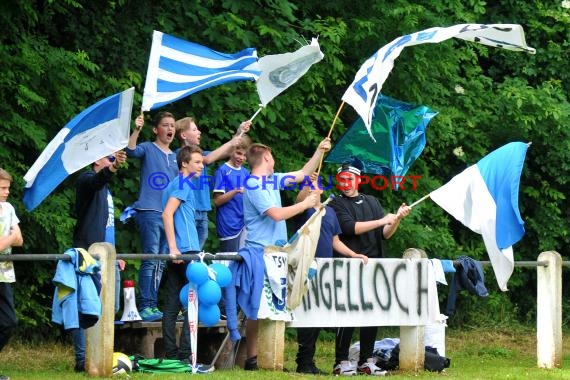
point(173, 219)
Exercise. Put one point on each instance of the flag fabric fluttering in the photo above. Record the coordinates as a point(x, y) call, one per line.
point(98, 131)
point(484, 197)
point(399, 130)
point(301, 250)
point(178, 68)
point(367, 84)
point(279, 71)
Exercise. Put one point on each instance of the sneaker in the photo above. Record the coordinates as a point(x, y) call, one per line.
point(4, 377)
point(310, 368)
point(204, 368)
point(251, 364)
point(369, 368)
point(155, 309)
point(345, 368)
point(149, 315)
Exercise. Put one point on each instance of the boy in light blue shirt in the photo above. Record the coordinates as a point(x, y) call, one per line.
point(158, 168)
point(180, 229)
point(265, 217)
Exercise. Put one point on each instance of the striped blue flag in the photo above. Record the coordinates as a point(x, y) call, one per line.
point(485, 198)
point(178, 68)
point(99, 131)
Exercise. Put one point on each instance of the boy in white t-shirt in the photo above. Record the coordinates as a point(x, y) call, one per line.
point(10, 236)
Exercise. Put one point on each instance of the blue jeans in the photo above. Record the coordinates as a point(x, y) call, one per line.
point(201, 218)
point(78, 336)
point(8, 320)
point(153, 240)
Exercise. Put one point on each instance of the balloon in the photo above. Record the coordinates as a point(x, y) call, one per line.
point(223, 274)
point(209, 293)
point(209, 315)
point(184, 296)
point(197, 272)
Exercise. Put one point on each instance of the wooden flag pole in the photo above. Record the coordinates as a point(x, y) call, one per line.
point(419, 200)
point(253, 117)
point(335, 119)
point(256, 113)
point(329, 135)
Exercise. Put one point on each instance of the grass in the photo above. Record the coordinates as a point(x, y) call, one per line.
point(474, 354)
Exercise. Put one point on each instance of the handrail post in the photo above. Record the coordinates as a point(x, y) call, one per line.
point(412, 346)
point(271, 344)
point(101, 337)
point(549, 311)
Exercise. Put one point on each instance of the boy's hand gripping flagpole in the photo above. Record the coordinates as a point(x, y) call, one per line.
point(261, 106)
point(308, 222)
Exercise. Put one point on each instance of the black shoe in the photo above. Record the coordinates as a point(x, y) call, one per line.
point(251, 364)
point(79, 367)
point(310, 368)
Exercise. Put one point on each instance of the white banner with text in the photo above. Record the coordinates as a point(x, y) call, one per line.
point(384, 292)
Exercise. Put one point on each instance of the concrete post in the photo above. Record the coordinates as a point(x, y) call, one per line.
point(100, 338)
point(412, 346)
point(549, 311)
point(270, 344)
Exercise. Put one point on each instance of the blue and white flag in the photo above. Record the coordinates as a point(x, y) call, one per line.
point(178, 68)
point(99, 131)
point(365, 88)
point(485, 198)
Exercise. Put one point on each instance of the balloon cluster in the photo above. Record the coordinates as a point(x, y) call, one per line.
point(209, 289)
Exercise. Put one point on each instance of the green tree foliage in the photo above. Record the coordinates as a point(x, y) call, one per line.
point(59, 57)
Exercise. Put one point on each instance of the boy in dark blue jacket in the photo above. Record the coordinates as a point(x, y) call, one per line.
point(95, 223)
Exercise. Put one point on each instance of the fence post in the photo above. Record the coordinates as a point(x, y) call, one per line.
point(270, 344)
point(100, 338)
point(549, 311)
point(412, 342)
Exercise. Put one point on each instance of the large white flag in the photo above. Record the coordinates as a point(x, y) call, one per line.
point(178, 68)
point(279, 71)
point(485, 197)
point(365, 88)
point(100, 130)
point(301, 254)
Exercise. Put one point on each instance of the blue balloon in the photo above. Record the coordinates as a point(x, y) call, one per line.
point(209, 293)
point(197, 272)
point(223, 274)
point(208, 315)
point(184, 296)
